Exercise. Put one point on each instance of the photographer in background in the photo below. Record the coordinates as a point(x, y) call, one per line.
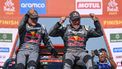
point(105, 61)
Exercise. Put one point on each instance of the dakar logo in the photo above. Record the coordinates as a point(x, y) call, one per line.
point(9, 6)
point(112, 6)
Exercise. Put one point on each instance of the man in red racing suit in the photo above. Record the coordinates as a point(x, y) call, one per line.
point(31, 34)
point(75, 37)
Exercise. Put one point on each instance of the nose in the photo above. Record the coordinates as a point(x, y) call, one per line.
point(77, 21)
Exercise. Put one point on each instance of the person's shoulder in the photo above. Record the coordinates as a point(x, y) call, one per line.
point(68, 25)
point(40, 25)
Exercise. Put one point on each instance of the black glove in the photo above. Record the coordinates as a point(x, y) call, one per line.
point(54, 52)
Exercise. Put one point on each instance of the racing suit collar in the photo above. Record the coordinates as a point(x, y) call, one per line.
point(32, 25)
point(75, 28)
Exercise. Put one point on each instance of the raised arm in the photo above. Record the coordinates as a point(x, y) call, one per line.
point(112, 62)
point(22, 29)
point(58, 29)
point(97, 31)
point(22, 24)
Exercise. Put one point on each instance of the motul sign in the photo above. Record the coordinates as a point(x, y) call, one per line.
point(84, 7)
point(88, 5)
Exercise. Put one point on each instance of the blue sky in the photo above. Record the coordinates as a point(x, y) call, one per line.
point(92, 43)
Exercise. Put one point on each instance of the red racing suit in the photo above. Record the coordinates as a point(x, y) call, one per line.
point(75, 41)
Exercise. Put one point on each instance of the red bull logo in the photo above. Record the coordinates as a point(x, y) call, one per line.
point(76, 38)
point(75, 41)
point(33, 33)
point(32, 37)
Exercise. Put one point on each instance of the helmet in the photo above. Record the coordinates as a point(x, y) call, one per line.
point(32, 13)
point(74, 15)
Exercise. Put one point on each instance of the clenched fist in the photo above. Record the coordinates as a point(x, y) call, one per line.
point(62, 20)
point(92, 15)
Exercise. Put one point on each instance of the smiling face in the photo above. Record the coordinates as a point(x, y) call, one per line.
point(102, 57)
point(33, 17)
point(75, 23)
point(74, 18)
point(31, 22)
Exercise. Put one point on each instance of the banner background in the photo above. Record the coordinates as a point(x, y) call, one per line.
point(110, 18)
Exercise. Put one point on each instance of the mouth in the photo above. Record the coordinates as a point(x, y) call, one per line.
point(76, 23)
